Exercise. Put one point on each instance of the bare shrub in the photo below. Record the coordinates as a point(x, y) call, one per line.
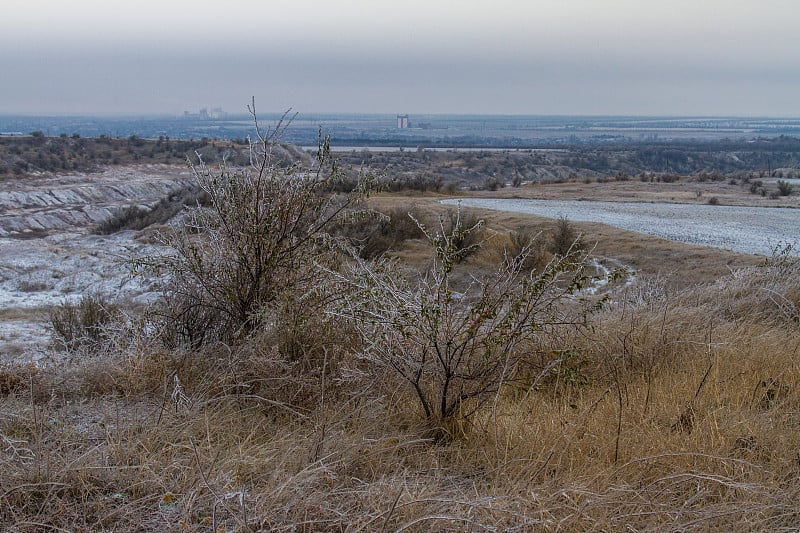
point(83, 325)
point(785, 188)
point(124, 219)
point(455, 349)
point(136, 217)
point(376, 233)
point(415, 182)
point(465, 231)
point(525, 244)
point(263, 236)
point(564, 238)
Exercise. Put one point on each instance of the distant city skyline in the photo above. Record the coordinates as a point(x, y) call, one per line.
point(571, 57)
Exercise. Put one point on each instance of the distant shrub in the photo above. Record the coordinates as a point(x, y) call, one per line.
point(784, 188)
point(415, 182)
point(713, 201)
point(136, 218)
point(526, 246)
point(492, 184)
point(123, 219)
point(564, 238)
point(374, 234)
point(83, 325)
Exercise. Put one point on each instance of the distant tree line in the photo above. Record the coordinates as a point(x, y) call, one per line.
point(423, 168)
point(21, 155)
point(497, 168)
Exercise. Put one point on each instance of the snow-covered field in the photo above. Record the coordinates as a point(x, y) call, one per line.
point(749, 230)
point(67, 266)
point(36, 274)
point(61, 203)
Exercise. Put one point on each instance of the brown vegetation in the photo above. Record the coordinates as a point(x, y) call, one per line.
point(674, 406)
point(677, 412)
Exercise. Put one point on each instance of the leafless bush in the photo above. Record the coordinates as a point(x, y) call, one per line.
point(263, 236)
point(83, 325)
point(524, 241)
point(376, 233)
point(135, 217)
point(465, 231)
point(455, 349)
point(564, 238)
point(785, 188)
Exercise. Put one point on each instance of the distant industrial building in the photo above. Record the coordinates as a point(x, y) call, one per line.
point(402, 121)
point(216, 113)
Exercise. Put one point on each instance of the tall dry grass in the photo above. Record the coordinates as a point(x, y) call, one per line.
point(678, 411)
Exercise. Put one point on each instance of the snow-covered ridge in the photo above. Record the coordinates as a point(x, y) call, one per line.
point(58, 203)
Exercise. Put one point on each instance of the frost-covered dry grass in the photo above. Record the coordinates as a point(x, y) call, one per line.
point(679, 410)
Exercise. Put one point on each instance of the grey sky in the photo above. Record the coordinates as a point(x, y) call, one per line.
point(687, 57)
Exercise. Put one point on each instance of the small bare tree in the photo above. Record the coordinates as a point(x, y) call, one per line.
point(455, 349)
point(259, 243)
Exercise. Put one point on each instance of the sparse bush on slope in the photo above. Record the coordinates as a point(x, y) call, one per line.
point(257, 247)
point(135, 217)
point(564, 238)
point(455, 349)
point(377, 233)
point(785, 188)
point(523, 242)
point(82, 326)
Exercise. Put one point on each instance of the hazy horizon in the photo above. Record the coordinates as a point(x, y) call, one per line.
point(242, 114)
point(569, 58)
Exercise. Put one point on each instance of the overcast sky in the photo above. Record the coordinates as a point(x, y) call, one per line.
point(598, 57)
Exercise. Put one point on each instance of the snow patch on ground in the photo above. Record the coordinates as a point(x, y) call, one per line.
point(748, 230)
point(48, 255)
point(39, 273)
point(65, 267)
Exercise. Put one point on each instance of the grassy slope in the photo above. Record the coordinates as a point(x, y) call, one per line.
point(678, 411)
